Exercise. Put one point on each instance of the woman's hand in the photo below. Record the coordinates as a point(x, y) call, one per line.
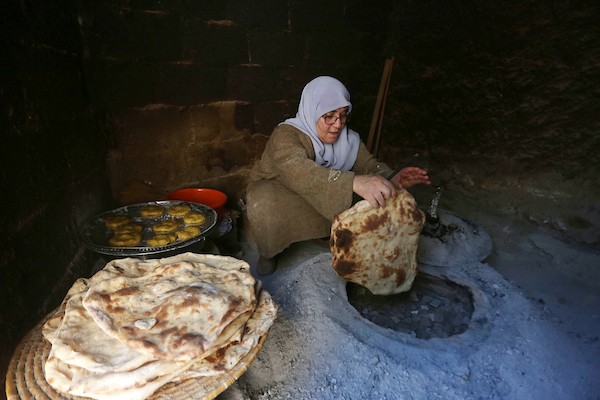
point(373, 188)
point(411, 176)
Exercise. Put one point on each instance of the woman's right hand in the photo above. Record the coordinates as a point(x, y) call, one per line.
point(373, 188)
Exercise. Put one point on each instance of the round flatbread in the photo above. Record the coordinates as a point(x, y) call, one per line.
point(178, 310)
point(86, 361)
point(377, 247)
point(228, 355)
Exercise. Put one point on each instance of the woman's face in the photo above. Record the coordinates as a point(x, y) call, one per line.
point(330, 125)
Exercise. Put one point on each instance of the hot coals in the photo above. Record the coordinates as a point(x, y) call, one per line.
point(434, 307)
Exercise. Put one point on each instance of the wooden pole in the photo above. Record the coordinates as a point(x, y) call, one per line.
point(376, 122)
point(383, 104)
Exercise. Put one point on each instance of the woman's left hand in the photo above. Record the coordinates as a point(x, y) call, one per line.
point(411, 176)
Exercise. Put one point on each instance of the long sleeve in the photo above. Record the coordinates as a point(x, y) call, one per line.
point(289, 158)
point(366, 163)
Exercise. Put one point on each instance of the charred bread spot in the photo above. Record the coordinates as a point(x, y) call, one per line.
point(344, 267)
point(344, 239)
point(400, 276)
point(372, 222)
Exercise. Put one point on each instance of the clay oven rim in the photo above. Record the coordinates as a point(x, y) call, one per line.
point(476, 332)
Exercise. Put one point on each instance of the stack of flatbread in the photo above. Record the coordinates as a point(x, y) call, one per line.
point(376, 247)
point(137, 325)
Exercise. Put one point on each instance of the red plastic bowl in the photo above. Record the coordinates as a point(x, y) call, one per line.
point(213, 198)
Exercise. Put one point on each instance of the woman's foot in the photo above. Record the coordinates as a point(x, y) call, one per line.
point(266, 266)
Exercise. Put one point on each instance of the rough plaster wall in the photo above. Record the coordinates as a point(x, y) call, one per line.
point(492, 88)
point(193, 90)
point(170, 147)
point(502, 81)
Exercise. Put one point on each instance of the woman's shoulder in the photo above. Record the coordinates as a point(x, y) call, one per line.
point(287, 129)
point(290, 134)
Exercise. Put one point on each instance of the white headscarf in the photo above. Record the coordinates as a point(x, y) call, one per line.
point(320, 96)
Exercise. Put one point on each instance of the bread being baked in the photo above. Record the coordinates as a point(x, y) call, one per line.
point(376, 247)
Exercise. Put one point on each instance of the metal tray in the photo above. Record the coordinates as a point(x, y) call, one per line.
point(96, 235)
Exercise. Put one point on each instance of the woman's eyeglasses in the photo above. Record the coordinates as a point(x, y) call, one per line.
point(330, 119)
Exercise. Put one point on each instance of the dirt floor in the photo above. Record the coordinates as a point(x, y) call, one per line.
point(534, 332)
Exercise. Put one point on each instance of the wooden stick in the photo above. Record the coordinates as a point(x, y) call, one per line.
point(384, 102)
point(376, 110)
point(377, 120)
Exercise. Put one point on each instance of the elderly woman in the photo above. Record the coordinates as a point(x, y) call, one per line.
point(309, 171)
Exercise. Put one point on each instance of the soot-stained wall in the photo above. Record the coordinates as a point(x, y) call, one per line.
point(504, 80)
point(52, 158)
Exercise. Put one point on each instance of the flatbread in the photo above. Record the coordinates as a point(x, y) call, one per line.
point(376, 247)
point(177, 310)
point(137, 384)
point(77, 340)
point(228, 355)
point(86, 361)
point(140, 382)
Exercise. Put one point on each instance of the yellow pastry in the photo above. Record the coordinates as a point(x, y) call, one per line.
point(179, 210)
point(114, 221)
point(194, 218)
point(188, 232)
point(162, 240)
point(152, 211)
point(125, 239)
point(166, 226)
